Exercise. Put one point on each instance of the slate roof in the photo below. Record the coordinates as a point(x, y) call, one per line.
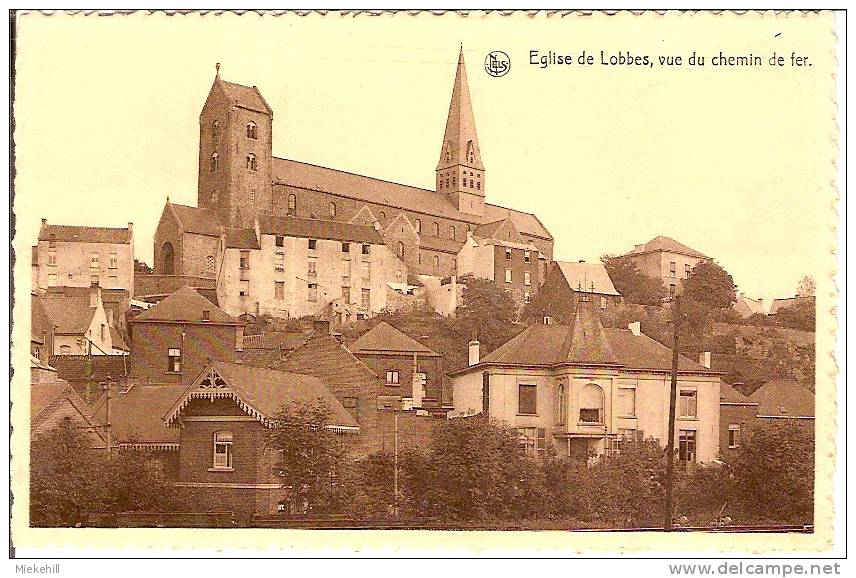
point(84, 234)
point(667, 244)
point(267, 390)
point(242, 239)
point(116, 340)
point(185, 305)
point(383, 338)
point(278, 340)
point(136, 415)
point(586, 342)
point(90, 367)
point(781, 397)
point(244, 96)
point(196, 219)
point(440, 244)
point(746, 307)
point(405, 197)
point(40, 321)
point(42, 395)
point(583, 275)
point(489, 229)
point(729, 395)
point(318, 229)
point(71, 314)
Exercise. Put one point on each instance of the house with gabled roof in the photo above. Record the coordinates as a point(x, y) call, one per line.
point(55, 401)
point(780, 399)
point(173, 340)
point(737, 418)
point(221, 420)
point(80, 324)
point(398, 359)
point(585, 389)
point(568, 283)
point(665, 259)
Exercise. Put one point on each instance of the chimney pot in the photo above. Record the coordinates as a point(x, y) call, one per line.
point(635, 328)
point(474, 353)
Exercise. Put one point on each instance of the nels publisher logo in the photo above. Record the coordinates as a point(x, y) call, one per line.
point(497, 63)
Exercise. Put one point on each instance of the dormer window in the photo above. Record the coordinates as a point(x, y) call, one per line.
point(252, 131)
point(251, 162)
point(215, 162)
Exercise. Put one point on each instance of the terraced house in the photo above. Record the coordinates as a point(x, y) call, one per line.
point(242, 187)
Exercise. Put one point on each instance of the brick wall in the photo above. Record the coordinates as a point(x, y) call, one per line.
point(150, 343)
point(380, 364)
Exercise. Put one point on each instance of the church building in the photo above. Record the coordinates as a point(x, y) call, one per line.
point(241, 184)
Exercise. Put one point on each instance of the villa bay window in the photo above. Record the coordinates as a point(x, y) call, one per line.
point(591, 404)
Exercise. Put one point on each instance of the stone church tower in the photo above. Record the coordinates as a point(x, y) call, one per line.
point(235, 153)
point(460, 172)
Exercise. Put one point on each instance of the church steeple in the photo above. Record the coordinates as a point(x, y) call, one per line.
point(460, 172)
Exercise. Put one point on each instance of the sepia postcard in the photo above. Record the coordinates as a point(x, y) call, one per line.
point(425, 283)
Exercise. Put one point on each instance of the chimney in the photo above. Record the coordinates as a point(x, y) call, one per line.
point(321, 326)
point(704, 359)
point(44, 222)
point(95, 296)
point(474, 353)
point(582, 260)
point(130, 227)
point(635, 328)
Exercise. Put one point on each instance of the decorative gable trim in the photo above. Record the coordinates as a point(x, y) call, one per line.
point(210, 385)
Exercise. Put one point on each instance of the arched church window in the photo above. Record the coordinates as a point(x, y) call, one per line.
point(209, 263)
point(400, 250)
point(452, 232)
point(478, 186)
point(214, 196)
point(215, 162)
point(292, 205)
point(382, 215)
point(418, 226)
point(251, 162)
point(436, 261)
point(167, 259)
point(436, 229)
point(252, 130)
point(332, 210)
point(215, 129)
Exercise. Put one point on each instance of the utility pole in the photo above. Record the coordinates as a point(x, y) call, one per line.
point(670, 444)
point(107, 416)
point(395, 464)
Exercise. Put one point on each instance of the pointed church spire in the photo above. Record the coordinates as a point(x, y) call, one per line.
point(460, 172)
point(460, 142)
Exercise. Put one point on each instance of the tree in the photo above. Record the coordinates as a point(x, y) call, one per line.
point(806, 287)
point(486, 313)
point(68, 480)
point(309, 456)
point(800, 315)
point(774, 473)
point(711, 286)
point(634, 286)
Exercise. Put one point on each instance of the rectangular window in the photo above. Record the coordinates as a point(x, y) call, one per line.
point(349, 403)
point(346, 294)
point(527, 297)
point(626, 402)
point(222, 451)
point(688, 403)
point(527, 401)
point(312, 296)
point(672, 269)
point(206, 315)
point(672, 290)
point(114, 281)
point(392, 377)
point(366, 299)
point(312, 266)
point(527, 278)
point(114, 261)
point(366, 271)
point(103, 329)
point(93, 261)
point(686, 271)
point(603, 302)
point(527, 256)
point(312, 244)
point(52, 258)
point(94, 280)
point(687, 445)
point(244, 288)
point(508, 254)
point(367, 249)
point(279, 290)
point(508, 275)
point(627, 434)
point(52, 279)
point(533, 440)
point(173, 360)
point(244, 260)
point(279, 261)
point(734, 436)
point(346, 247)
point(279, 241)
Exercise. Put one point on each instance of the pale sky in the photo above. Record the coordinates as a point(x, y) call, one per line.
point(734, 162)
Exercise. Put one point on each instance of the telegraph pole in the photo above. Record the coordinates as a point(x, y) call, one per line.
point(107, 416)
point(670, 444)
